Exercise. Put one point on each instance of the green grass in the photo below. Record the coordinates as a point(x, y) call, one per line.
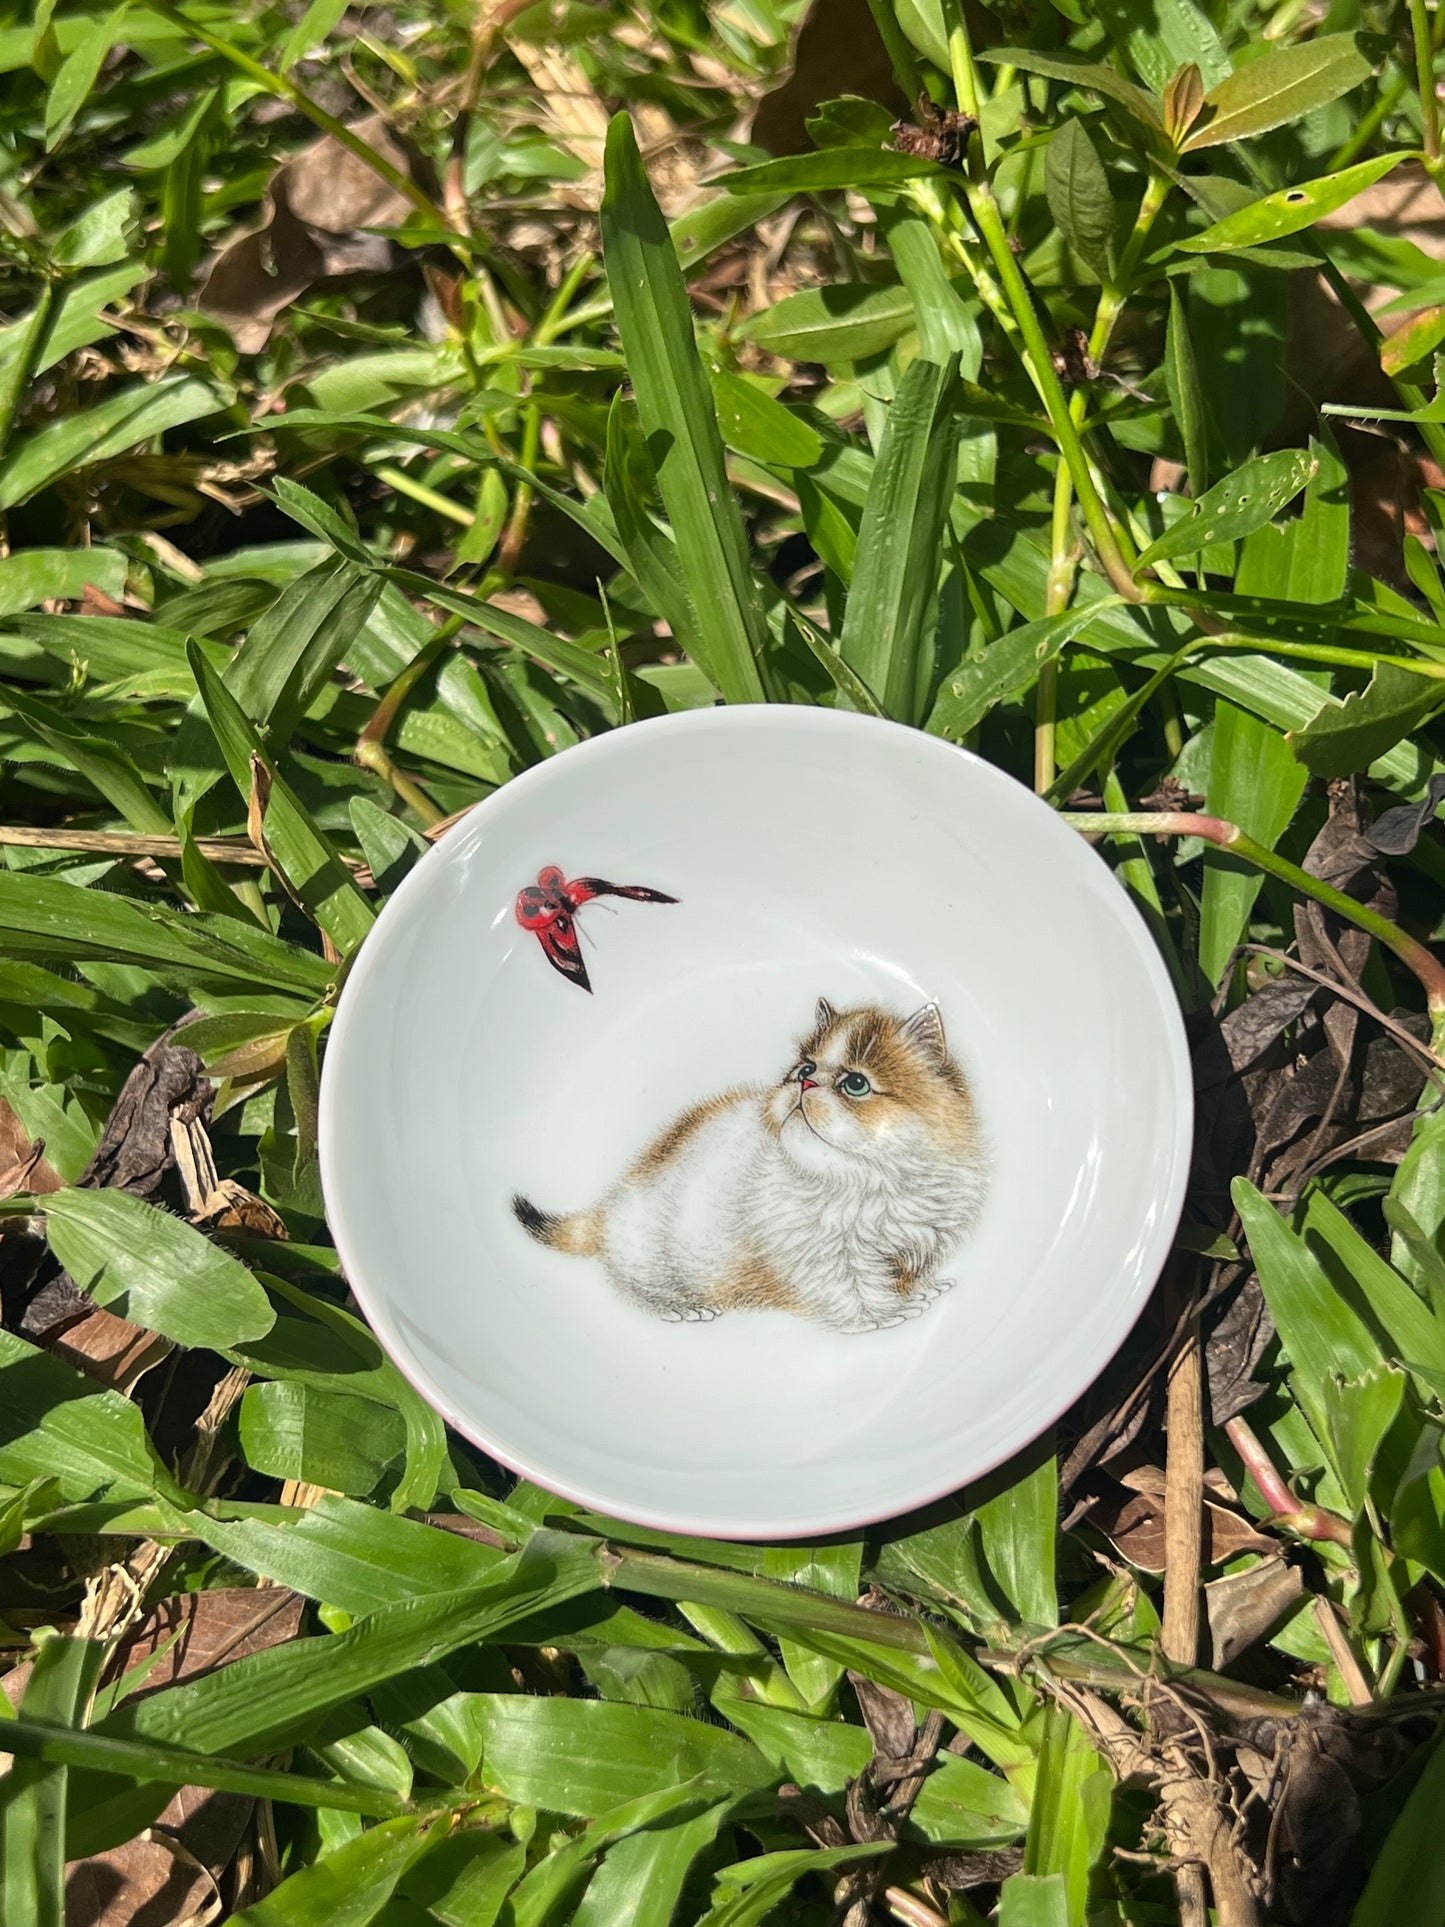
point(318, 534)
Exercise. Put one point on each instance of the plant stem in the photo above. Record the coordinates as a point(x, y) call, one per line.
point(776, 1607)
point(1425, 76)
point(1229, 836)
point(509, 549)
point(1063, 562)
point(1107, 539)
point(1305, 1521)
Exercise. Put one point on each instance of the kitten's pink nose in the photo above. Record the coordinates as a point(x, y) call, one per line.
point(808, 1083)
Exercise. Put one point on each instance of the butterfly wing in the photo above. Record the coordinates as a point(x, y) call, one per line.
point(536, 907)
point(585, 888)
point(562, 950)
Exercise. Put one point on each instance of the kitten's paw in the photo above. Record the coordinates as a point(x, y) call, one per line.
point(699, 1314)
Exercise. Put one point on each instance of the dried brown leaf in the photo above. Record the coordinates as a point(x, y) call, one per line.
point(1135, 1523)
point(315, 218)
point(210, 1629)
point(1234, 1347)
point(168, 1874)
point(22, 1164)
point(134, 1152)
point(1242, 1607)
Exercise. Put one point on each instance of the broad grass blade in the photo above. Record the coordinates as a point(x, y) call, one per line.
point(894, 598)
point(1255, 781)
point(303, 853)
point(675, 403)
point(34, 1794)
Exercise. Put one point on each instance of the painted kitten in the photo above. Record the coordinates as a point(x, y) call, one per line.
point(835, 1195)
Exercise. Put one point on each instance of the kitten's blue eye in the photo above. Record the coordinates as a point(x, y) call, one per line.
point(854, 1084)
point(806, 1069)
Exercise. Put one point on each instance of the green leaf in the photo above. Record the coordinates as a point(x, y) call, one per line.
point(106, 429)
point(651, 552)
point(54, 1424)
point(1078, 70)
point(1361, 1412)
point(1078, 195)
point(269, 1700)
point(345, 1444)
point(748, 1890)
point(305, 856)
point(1419, 1189)
point(155, 1269)
point(1406, 1887)
point(391, 847)
point(1292, 208)
point(1320, 547)
point(1160, 36)
point(77, 74)
point(1412, 343)
point(833, 1569)
point(761, 428)
point(103, 1754)
point(1019, 1527)
point(311, 32)
point(830, 168)
point(1007, 667)
point(640, 1882)
point(290, 653)
point(73, 320)
point(588, 1756)
point(44, 918)
point(1034, 1900)
point(947, 321)
point(98, 760)
point(1069, 1818)
point(1235, 507)
point(352, 1556)
point(97, 237)
point(1256, 782)
point(1283, 85)
point(961, 1804)
point(550, 1884)
point(893, 603)
point(330, 1350)
point(465, 1879)
point(34, 1793)
point(1324, 1339)
point(1346, 736)
point(557, 653)
point(1416, 1336)
point(352, 1884)
point(32, 576)
point(678, 420)
point(1181, 379)
point(845, 322)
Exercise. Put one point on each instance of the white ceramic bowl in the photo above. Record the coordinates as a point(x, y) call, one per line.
point(481, 1108)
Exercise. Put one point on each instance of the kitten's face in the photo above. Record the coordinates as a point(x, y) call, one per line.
point(868, 1089)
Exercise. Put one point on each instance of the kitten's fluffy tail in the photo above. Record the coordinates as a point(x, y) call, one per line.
point(579, 1232)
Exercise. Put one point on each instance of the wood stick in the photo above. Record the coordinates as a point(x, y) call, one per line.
point(1183, 1550)
point(123, 844)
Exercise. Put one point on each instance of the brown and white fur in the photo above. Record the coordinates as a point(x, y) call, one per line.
point(836, 1194)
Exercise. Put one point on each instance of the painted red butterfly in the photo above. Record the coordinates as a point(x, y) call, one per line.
point(548, 908)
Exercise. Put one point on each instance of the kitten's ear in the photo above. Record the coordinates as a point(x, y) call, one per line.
point(924, 1029)
point(825, 1015)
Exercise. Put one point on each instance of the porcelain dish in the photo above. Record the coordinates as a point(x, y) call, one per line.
point(756, 1122)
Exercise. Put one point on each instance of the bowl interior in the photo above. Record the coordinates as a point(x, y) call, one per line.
point(812, 855)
